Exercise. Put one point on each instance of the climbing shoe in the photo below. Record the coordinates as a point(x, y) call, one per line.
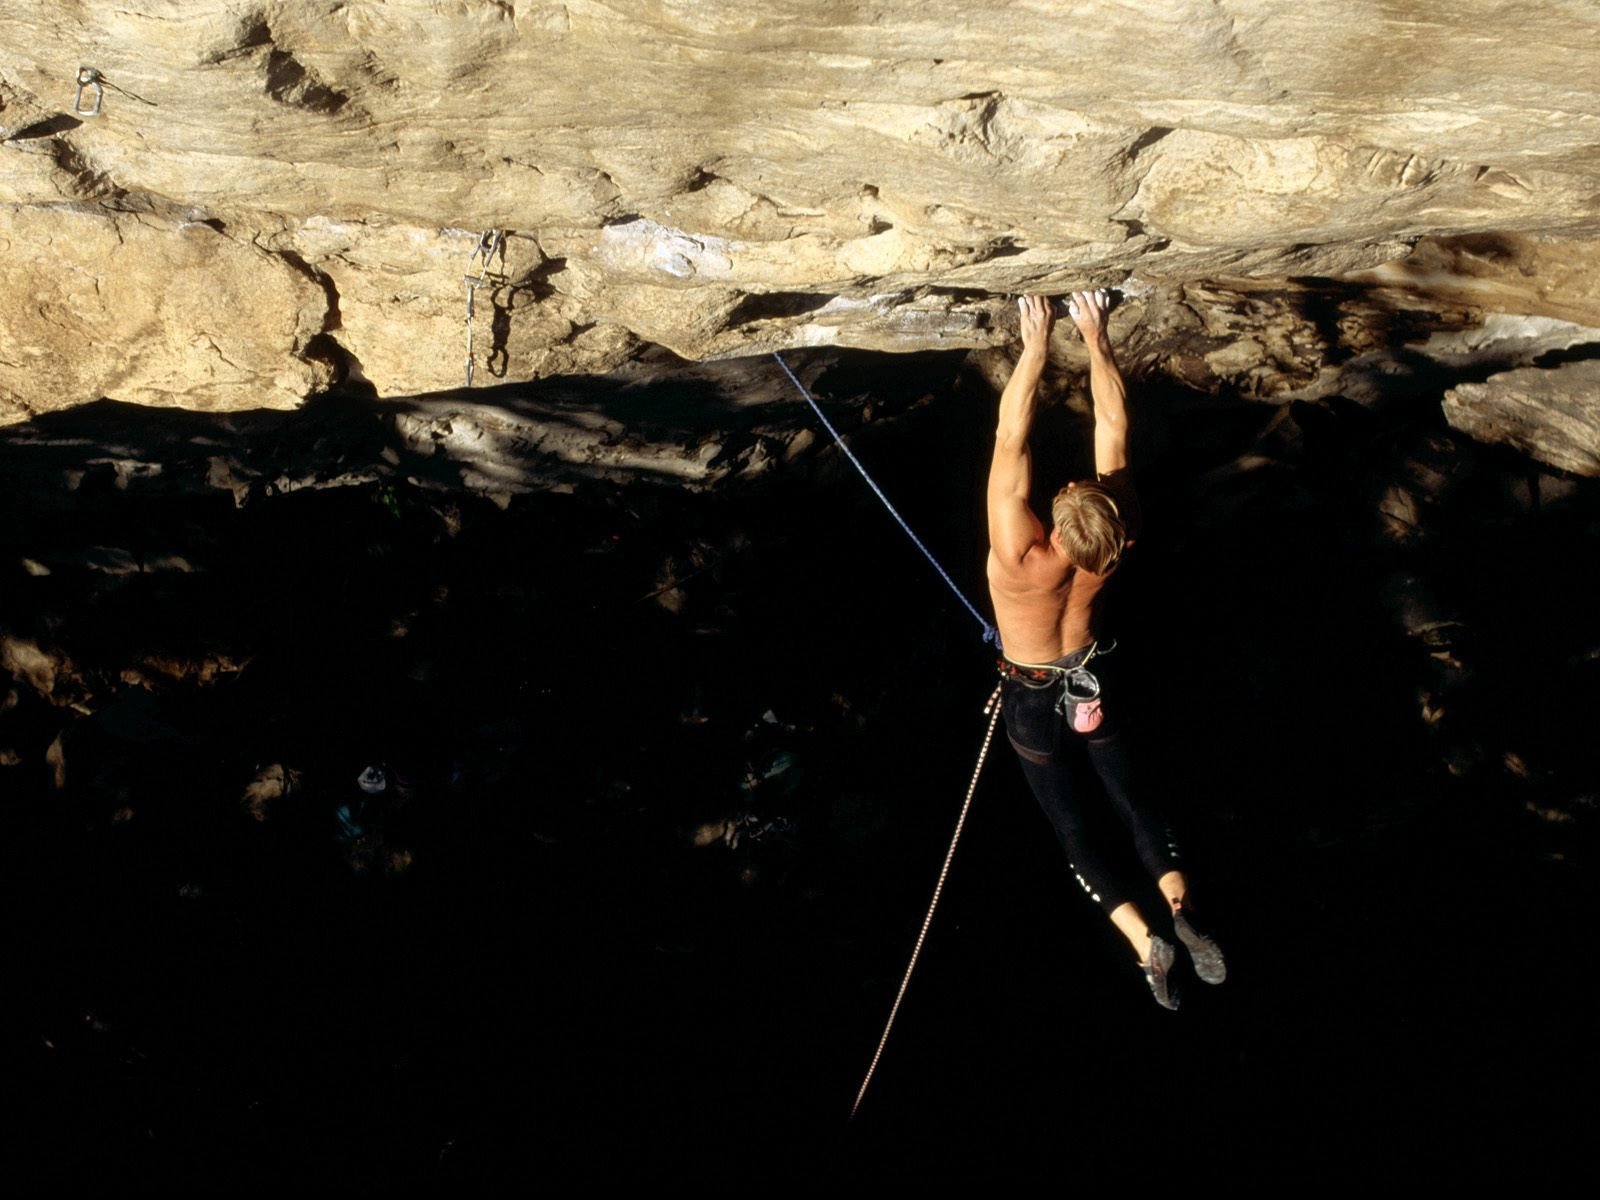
point(1158, 973)
point(1205, 953)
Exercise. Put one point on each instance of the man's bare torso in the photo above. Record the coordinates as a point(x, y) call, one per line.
point(1044, 607)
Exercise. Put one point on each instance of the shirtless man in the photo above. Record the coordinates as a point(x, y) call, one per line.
point(1047, 590)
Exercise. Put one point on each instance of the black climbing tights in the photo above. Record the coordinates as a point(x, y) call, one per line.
point(1059, 763)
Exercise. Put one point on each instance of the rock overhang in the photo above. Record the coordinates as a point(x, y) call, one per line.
point(276, 198)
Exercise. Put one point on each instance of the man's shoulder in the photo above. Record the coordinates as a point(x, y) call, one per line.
point(1039, 570)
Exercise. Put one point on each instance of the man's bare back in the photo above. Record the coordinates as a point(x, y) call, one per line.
point(1045, 604)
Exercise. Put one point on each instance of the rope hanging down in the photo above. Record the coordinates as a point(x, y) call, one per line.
point(992, 711)
point(990, 634)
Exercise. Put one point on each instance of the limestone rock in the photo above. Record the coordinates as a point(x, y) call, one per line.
point(105, 303)
point(1550, 414)
point(724, 180)
point(1501, 272)
point(402, 299)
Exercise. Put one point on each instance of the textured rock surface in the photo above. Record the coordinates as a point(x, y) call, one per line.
point(721, 180)
point(1500, 272)
point(154, 311)
point(1552, 415)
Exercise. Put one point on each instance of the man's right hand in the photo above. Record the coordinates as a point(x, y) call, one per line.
point(1038, 316)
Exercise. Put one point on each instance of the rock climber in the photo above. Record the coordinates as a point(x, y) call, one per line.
point(1061, 708)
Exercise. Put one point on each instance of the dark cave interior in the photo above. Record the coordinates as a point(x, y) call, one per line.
point(668, 776)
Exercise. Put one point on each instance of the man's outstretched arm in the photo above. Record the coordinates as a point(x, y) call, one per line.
point(1013, 528)
point(1088, 311)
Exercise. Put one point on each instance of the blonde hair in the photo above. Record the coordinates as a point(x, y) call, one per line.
point(1091, 528)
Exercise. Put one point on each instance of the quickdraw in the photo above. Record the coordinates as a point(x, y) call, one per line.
point(89, 78)
point(490, 243)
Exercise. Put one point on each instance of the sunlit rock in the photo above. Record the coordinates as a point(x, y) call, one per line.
point(254, 202)
point(1552, 415)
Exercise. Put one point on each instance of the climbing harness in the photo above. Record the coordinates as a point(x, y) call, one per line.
point(992, 711)
point(990, 634)
point(490, 243)
point(1078, 684)
point(1079, 701)
point(88, 78)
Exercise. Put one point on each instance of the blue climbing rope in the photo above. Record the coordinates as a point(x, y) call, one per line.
point(990, 634)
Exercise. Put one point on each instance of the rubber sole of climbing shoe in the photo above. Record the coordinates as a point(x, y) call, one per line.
point(1158, 973)
point(1203, 952)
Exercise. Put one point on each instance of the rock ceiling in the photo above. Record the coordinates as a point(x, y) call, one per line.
point(274, 198)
